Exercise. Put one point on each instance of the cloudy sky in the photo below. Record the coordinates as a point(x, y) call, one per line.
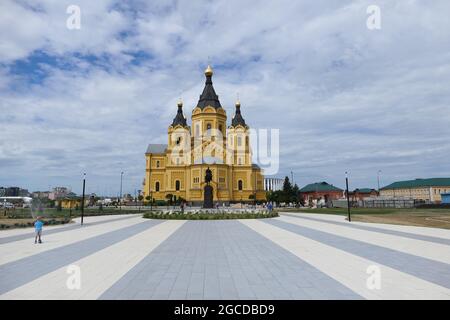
point(345, 98)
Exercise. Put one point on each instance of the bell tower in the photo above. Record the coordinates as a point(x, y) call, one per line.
point(179, 139)
point(208, 126)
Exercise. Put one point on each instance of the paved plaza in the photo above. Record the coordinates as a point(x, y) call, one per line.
point(295, 256)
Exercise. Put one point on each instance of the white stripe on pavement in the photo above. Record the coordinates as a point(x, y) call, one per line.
point(98, 271)
point(87, 220)
point(349, 269)
point(24, 248)
point(425, 231)
point(429, 250)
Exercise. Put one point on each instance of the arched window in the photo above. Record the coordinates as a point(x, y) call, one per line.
point(177, 185)
point(240, 185)
point(157, 164)
point(157, 186)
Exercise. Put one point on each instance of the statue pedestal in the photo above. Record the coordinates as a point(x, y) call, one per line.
point(208, 197)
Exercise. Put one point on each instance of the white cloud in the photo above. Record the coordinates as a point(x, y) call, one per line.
point(344, 97)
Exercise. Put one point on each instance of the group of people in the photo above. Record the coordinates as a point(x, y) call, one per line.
point(268, 205)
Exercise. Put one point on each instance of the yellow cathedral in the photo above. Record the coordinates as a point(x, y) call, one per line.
point(179, 168)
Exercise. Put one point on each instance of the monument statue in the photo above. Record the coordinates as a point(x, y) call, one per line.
point(208, 190)
point(208, 176)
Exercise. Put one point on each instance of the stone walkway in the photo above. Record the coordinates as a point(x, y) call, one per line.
point(295, 256)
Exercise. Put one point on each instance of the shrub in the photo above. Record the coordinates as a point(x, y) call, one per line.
point(210, 215)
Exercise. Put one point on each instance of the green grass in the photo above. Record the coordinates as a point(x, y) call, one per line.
point(25, 213)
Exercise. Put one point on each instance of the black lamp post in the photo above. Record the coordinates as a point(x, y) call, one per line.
point(139, 195)
point(378, 180)
point(151, 200)
point(120, 199)
point(348, 196)
point(82, 198)
point(254, 196)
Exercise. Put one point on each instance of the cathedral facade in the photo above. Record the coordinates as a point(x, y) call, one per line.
point(179, 168)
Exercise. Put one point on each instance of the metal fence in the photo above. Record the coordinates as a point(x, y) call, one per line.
point(389, 203)
point(379, 203)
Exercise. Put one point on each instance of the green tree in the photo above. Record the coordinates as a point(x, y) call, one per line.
point(287, 186)
point(148, 199)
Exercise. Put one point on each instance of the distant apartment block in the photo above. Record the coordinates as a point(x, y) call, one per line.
point(13, 192)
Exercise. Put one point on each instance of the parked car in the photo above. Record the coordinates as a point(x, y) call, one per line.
point(7, 205)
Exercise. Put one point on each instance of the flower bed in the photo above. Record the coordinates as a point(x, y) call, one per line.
point(210, 214)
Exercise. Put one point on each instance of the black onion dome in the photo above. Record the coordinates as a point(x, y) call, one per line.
point(209, 96)
point(179, 118)
point(237, 119)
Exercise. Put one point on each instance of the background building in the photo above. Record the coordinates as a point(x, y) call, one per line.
point(362, 193)
point(13, 192)
point(418, 189)
point(273, 184)
point(179, 168)
point(445, 198)
point(58, 192)
point(320, 191)
point(40, 194)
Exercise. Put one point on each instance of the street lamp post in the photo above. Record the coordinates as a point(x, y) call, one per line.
point(120, 199)
point(348, 197)
point(139, 195)
point(378, 181)
point(151, 200)
point(254, 195)
point(82, 198)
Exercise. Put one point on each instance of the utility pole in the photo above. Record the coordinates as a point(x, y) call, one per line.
point(348, 196)
point(82, 198)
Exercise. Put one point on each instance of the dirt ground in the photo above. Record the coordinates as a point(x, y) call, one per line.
point(433, 218)
point(409, 219)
